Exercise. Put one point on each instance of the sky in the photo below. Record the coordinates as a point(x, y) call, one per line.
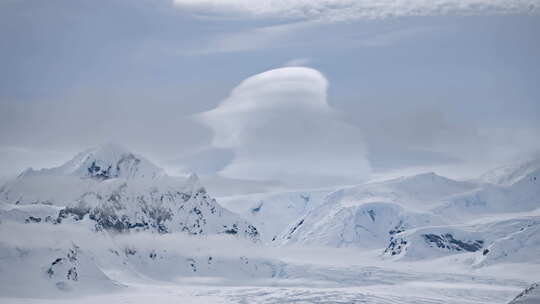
point(308, 93)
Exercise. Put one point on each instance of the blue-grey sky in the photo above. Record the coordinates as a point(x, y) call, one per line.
point(450, 85)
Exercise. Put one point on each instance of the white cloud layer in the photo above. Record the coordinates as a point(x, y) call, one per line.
point(280, 126)
point(332, 10)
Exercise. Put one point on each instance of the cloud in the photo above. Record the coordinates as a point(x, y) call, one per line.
point(266, 37)
point(338, 10)
point(311, 34)
point(298, 62)
point(392, 37)
point(280, 126)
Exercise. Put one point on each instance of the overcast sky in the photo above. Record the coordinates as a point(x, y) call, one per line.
point(311, 90)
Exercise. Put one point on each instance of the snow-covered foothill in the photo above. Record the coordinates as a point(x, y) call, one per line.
point(271, 213)
point(367, 216)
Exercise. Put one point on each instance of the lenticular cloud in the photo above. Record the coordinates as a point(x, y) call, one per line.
point(279, 125)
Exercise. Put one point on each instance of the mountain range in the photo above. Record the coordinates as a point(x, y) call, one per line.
point(110, 211)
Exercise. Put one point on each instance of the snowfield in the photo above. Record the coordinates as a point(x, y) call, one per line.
point(109, 226)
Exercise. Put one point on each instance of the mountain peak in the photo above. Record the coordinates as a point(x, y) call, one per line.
point(112, 160)
point(109, 160)
point(426, 177)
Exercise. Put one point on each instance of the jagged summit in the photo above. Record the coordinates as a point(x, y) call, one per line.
point(107, 161)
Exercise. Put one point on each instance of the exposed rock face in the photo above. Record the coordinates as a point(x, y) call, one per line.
point(530, 295)
point(126, 165)
point(65, 267)
point(122, 206)
point(396, 246)
point(447, 241)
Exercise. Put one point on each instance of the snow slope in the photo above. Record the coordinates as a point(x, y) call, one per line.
point(44, 260)
point(272, 212)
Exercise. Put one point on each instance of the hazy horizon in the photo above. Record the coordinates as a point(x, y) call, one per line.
point(449, 87)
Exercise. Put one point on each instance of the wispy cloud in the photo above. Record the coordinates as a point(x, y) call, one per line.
point(307, 33)
point(256, 38)
point(395, 36)
point(335, 10)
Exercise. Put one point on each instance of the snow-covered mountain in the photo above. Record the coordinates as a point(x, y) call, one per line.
point(429, 216)
point(415, 217)
point(513, 173)
point(366, 216)
point(119, 191)
point(66, 219)
point(104, 162)
point(59, 185)
point(522, 195)
point(81, 229)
